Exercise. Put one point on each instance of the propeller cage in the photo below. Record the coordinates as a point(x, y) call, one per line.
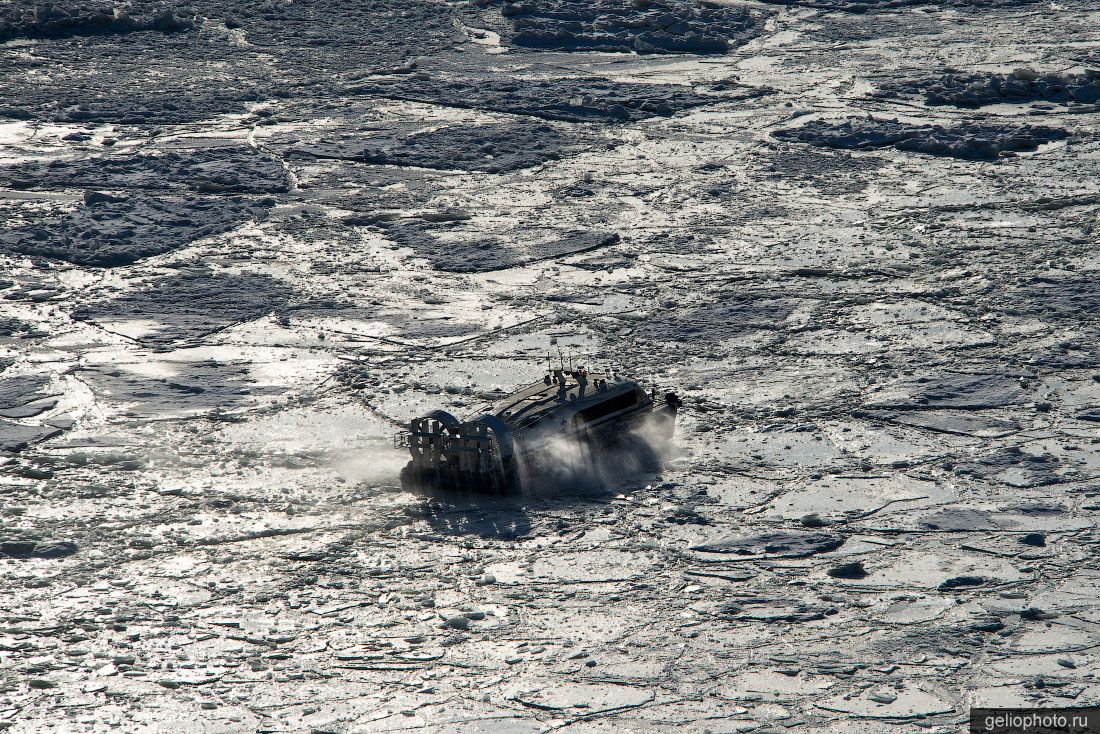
point(439, 444)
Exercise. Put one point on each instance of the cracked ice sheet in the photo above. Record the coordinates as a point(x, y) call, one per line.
point(255, 567)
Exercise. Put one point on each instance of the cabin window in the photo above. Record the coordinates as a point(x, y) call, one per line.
point(606, 408)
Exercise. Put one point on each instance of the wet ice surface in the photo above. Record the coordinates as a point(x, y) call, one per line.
point(1022, 85)
point(236, 256)
point(968, 141)
point(655, 26)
